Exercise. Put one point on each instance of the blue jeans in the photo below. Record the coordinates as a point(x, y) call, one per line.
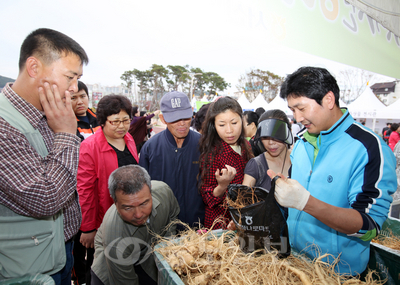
point(63, 277)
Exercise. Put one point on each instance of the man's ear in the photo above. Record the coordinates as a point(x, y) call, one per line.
point(162, 119)
point(33, 66)
point(330, 100)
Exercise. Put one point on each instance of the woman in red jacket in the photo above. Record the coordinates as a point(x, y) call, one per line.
point(100, 154)
point(224, 152)
point(394, 137)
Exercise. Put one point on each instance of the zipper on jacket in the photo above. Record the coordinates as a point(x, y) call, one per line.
point(309, 177)
point(299, 214)
point(91, 128)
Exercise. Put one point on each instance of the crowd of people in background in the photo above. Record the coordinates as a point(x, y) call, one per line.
point(105, 178)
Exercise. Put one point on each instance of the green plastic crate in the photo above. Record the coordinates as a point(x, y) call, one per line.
point(384, 260)
point(166, 275)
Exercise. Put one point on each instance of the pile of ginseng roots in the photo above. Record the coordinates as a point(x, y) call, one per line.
point(389, 239)
point(209, 259)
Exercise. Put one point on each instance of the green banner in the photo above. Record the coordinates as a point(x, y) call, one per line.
point(332, 29)
point(199, 104)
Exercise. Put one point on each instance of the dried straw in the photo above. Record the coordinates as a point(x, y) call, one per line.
point(244, 198)
point(213, 260)
point(389, 239)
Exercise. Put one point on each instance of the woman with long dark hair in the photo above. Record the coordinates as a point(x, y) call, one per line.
point(224, 152)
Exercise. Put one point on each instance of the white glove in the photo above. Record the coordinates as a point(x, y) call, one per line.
point(291, 194)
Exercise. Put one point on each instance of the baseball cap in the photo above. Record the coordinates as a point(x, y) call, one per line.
point(175, 106)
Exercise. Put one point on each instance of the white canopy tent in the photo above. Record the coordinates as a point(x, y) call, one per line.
point(259, 102)
point(368, 106)
point(393, 110)
point(204, 99)
point(279, 103)
point(245, 104)
point(193, 102)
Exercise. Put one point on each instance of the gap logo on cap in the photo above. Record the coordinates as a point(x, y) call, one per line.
point(175, 103)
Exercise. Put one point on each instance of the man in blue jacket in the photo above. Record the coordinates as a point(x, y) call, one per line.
point(172, 156)
point(342, 175)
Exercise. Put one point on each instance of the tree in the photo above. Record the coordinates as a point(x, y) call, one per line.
point(158, 79)
point(270, 83)
point(143, 79)
point(199, 82)
point(215, 82)
point(127, 76)
point(210, 82)
point(352, 83)
point(158, 76)
point(177, 77)
point(255, 80)
point(248, 85)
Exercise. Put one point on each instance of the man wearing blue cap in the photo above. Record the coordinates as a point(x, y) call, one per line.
point(172, 156)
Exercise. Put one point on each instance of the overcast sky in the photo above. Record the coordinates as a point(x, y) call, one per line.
point(120, 35)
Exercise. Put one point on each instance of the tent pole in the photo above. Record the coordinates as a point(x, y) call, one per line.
point(373, 124)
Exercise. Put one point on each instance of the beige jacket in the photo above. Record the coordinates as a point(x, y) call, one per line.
point(120, 245)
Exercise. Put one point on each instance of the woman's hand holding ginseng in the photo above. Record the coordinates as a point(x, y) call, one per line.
point(224, 177)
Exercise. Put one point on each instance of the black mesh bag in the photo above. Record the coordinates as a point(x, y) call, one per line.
point(261, 223)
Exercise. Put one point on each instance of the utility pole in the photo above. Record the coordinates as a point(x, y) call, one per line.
point(192, 75)
point(135, 95)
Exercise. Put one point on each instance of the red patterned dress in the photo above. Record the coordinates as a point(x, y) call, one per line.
point(214, 205)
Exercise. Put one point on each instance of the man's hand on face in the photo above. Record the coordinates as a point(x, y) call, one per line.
point(59, 113)
point(288, 192)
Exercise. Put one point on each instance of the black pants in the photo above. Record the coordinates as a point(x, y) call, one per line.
point(81, 269)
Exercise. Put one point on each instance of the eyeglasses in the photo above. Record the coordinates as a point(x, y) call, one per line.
point(116, 123)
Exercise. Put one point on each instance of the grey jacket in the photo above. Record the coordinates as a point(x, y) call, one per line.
point(120, 245)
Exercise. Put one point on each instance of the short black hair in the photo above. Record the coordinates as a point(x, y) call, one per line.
point(110, 105)
point(394, 127)
point(82, 86)
point(260, 111)
point(49, 45)
point(201, 116)
point(251, 117)
point(134, 111)
point(310, 82)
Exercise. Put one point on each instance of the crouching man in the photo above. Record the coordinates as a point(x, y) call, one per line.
point(141, 208)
